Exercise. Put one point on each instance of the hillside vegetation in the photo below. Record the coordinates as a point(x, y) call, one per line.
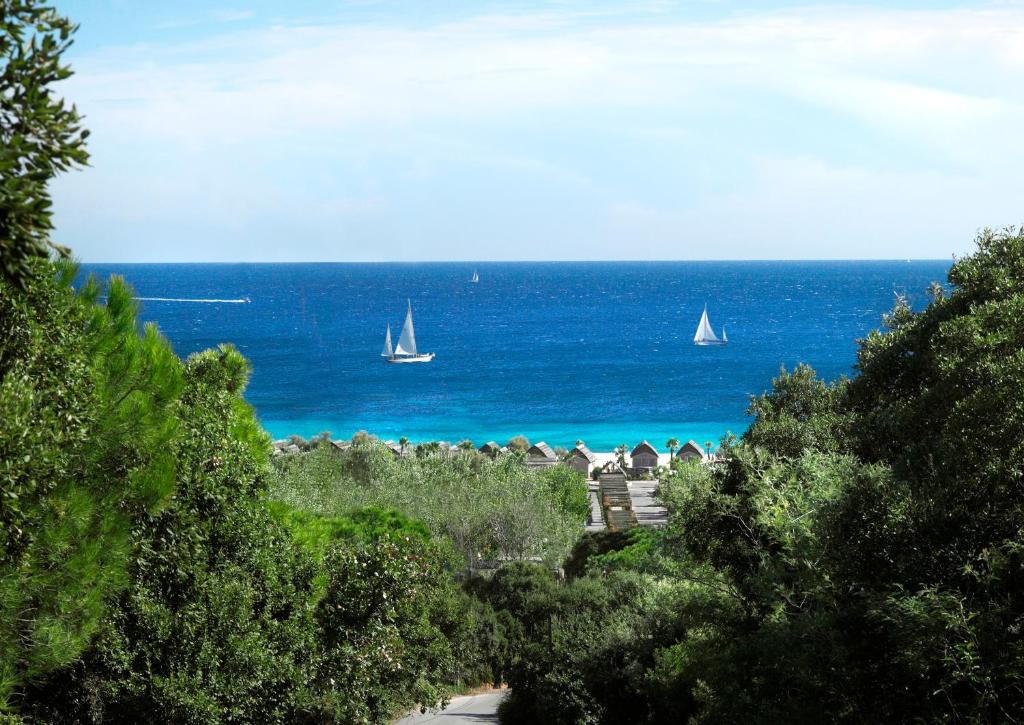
point(489, 509)
point(858, 556)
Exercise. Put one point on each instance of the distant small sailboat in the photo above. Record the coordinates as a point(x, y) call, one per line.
point(405, 351)
point(475, 278)
point(705, 335)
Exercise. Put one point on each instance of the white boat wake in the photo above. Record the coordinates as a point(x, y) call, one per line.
point(180, 299)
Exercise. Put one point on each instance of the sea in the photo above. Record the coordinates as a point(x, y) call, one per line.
point(596, 351)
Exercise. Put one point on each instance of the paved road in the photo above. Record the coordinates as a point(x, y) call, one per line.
point(461, 710)
point(647, 509)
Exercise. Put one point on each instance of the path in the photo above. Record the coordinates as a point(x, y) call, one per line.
point(462, 710)
point(595, 522)
point(649, 512)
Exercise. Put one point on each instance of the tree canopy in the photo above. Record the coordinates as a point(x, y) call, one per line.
point(40, 135)
point(858, 555)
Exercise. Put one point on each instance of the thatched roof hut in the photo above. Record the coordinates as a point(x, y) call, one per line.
point(582, 459)
point(490, 448)
point(690, 451)
point(583, 451)
point(540, 454)
point(644, 456)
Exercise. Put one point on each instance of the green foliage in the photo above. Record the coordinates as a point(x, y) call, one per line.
point(519, 444)
point(213, 625)
point(316, 533)
point(637, 549)
point(858, 556)
point(801, 412)
point(486, 508)
point(39, 135)
point(144, 574)
point(84, 431)
point(567, 489)
point(383, 648)
point(240, 610)
point(577, 651)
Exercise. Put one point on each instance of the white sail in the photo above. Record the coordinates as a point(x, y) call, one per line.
point(387, 352)
point(704, 332)
point(407, 340)
point(725, 338)
point(476, 277)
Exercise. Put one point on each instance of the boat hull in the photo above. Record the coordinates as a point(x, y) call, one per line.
point(427, 357)
point(706, 343)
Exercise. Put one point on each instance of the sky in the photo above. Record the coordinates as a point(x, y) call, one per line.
point(357, 130)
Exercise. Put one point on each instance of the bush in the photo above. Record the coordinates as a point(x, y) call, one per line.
point(486, 508)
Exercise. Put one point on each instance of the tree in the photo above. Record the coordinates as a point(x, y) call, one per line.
point(856, 557)
point(671, 444)
point(800, 412)
point(40, 136)
point(519, 444)
point(403, 442)
point(620, 455)
point(85, 428)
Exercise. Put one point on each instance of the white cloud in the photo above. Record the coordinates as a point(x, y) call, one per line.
point(888, 67)
point(944, 89)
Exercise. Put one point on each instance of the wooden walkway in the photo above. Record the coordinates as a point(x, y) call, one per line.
point(616, 502)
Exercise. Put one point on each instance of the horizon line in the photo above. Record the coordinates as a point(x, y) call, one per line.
point(953, 258)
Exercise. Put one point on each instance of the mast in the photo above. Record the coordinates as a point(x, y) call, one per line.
point(407, 340)
point(387, 352)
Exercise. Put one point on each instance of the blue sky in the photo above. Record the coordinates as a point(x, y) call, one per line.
point(362, 130)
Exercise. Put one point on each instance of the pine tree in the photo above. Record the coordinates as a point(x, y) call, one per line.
point(84, 433)
point(40, 136)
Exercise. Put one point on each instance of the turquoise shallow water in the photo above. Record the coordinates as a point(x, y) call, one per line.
point(555, 351)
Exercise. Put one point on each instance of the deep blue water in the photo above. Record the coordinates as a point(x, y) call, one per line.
point(556, 351)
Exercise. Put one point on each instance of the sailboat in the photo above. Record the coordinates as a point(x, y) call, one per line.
point(405, 351)
point(475, 278)
point(705, 335)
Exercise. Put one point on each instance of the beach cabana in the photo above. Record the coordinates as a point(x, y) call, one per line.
point(691, 452)
point(340, 446)
point(644, 457)
point(582, 459)
point(490, 448)
point(540, 455)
